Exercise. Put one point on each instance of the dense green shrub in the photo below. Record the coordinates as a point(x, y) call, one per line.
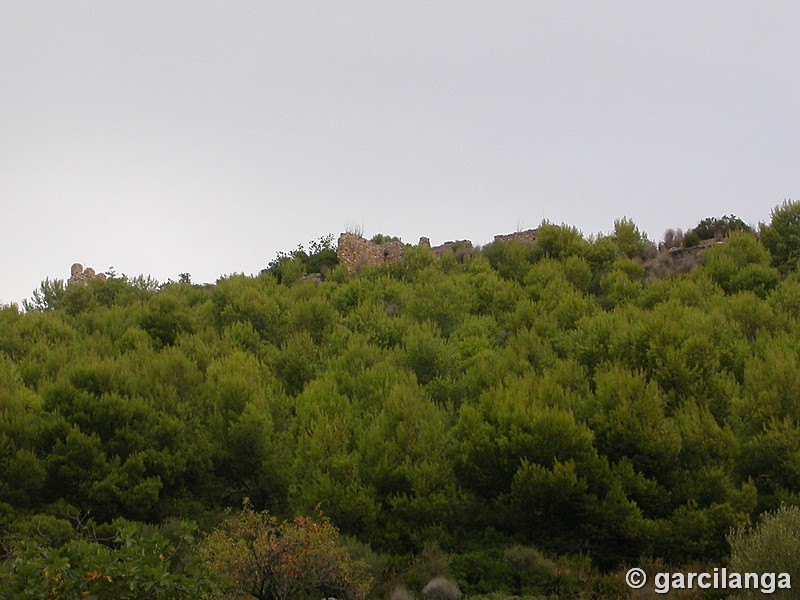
point(256, 556)
point(138, 562)
point(782, 236)
point(772, 546)
point(530, 404)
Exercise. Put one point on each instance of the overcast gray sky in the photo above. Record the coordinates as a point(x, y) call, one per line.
point(164, 137)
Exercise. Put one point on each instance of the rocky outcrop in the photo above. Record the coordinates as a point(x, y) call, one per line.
point(698, 249)
point(81, 276)
point(677, 260)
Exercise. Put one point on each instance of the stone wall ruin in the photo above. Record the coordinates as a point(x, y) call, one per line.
point(354, 251)
point(526, 237)
point(454, 247)
point(81, 276)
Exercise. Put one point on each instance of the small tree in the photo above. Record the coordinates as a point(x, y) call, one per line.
point(628, 238)
point(673, 238)
point(711, 227)
point(401, 593)
point(321, 257)
point(254, 554)
point(782, 236)
point(47, 297)
point(773, 546)
point(441, 588)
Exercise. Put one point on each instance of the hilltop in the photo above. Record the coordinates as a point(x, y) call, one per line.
point(526, 418)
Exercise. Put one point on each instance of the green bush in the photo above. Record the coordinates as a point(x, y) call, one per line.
point(255, 555)
point(139, 562)
point(772, 546)
point(782, 236)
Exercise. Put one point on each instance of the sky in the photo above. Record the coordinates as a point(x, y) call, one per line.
point(202, 137)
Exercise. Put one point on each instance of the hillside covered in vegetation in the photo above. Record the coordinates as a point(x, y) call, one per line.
point(523, 419)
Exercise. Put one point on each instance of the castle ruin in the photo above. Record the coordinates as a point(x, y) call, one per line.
point(354, 251)
point(81, 276)
point(526, 237)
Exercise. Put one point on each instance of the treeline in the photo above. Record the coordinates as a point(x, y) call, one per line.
point(547, 404)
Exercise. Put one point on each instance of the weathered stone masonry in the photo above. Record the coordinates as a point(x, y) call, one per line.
point(81, 276)
point(528, 236)
point(354, 251)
